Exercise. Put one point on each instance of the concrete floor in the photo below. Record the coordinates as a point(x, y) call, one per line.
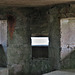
point(60, 73)
point(3, 71)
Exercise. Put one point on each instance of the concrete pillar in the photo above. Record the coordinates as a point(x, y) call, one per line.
point(18, 51)
point(54, 35)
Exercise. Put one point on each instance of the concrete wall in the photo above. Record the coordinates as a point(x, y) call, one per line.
point(45, 22)
point(32, 22)
point(19, 51)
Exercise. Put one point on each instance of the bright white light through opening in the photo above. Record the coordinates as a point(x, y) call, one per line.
point(39, 41)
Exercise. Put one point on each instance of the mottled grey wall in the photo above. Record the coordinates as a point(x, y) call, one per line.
point(32, 22)
point(19, 52)
point(18, 48)
point(54, 35)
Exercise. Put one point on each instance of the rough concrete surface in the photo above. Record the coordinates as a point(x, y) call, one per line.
point(32, 21)
point(60, 73)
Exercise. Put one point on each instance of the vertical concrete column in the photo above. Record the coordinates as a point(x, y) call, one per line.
point(54, 35)
point(27, 45)
point(18, 51)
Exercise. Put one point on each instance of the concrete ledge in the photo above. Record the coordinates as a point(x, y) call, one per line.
point(3, 71)
point(59, 73)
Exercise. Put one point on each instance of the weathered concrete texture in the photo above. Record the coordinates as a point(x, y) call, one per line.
point(39, 18)
point(19, 49)
point(54, 35)
point(45, 21)
point(60, 73)
point(44, 66)
point(19, 46)
point(3, 71)
point(39, 21)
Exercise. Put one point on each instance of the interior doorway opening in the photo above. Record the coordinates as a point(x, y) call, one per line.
point(67, 36)
point(3, 43)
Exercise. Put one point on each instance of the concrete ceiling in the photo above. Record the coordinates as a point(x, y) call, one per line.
point(32, 2)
